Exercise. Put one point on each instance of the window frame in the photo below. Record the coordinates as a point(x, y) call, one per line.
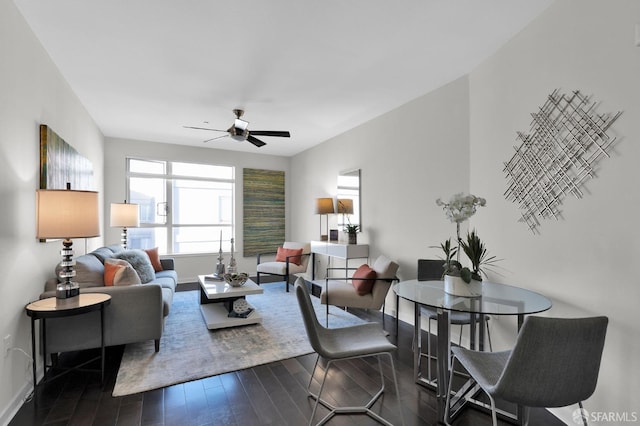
point(169, 179)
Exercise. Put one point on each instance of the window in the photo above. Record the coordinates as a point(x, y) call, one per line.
point(184, 207)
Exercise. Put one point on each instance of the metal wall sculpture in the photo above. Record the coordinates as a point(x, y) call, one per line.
point(567, 140)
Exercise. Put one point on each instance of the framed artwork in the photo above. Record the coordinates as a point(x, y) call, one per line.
point(60, 163)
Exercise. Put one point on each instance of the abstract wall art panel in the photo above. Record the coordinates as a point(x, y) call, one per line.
point(61, 164)
point(263, 205)
point(567, 140)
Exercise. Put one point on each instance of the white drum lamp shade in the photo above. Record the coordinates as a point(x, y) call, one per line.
point(63, 213)
point(125, 215)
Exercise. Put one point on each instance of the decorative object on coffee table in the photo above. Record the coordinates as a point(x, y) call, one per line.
point(232, 268)
point(219, 272)
point(236, 279)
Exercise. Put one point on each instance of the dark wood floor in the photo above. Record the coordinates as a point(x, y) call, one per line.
point(272, 394)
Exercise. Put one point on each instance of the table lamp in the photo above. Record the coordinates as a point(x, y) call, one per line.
point(124, 215)
point(67, 214)
point(345, 207)
point(324, 206)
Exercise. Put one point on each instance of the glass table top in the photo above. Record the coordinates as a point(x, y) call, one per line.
point(496, 299)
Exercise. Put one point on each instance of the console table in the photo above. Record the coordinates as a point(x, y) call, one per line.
point(339, 250)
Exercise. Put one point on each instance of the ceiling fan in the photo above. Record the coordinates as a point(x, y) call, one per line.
point(239, 131)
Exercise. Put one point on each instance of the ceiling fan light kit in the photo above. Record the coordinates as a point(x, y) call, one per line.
point(239, 131)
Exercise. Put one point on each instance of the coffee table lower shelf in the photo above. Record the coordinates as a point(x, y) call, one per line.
point(216, 316)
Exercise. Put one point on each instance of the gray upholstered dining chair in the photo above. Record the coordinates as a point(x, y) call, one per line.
point(433, 269)
point(337, 344)
point(554, 363)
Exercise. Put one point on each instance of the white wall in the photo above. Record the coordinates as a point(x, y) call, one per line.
point(457, 139)
point(188, 266)
point(585, 261)
point(32, 92)
point(408, 158)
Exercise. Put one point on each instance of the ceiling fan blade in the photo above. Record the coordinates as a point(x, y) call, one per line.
point(279, 133)
point(257, 142)
point(203, 128)
point(213, 139)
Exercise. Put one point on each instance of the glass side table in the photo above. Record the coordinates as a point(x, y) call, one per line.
point(57, 308)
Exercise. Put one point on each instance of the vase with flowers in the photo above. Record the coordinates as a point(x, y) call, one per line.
point(459, 280)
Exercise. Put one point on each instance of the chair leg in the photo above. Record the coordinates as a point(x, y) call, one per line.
point(258, 278)
point(313, 373)
point(525, 416)
point(363, 409)
point(582, 413)
point(327, 315)
point(395, 382)
point(383, 306)
point(429, 350)
point(317, 398)
point(494, 416)
point(447, 404)
point(397, 315)
point(488, 335)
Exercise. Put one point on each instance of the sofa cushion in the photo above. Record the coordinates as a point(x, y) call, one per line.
point(154, 257)
point(167, 279)
point(363, 279)
point(102, 253)
point(119, 272)
point(89, 271)
point(140, 262)
point(116, 248)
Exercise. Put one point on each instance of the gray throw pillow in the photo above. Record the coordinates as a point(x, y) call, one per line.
point(140, 262)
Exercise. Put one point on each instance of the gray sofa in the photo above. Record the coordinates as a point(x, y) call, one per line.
point(136, 312)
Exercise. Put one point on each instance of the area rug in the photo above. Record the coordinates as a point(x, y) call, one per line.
point(189, 351)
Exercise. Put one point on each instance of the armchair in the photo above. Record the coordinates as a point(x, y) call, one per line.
point(342, 292)
point(286, 263)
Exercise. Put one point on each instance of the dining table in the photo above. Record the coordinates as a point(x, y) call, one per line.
point(496, 300)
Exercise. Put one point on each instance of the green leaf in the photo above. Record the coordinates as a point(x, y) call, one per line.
point(465, 274)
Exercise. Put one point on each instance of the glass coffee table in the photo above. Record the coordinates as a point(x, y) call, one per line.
point(216, 302)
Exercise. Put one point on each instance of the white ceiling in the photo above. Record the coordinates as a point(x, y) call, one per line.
point(145, 68)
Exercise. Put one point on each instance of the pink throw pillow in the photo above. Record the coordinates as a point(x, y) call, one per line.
point(363, 279)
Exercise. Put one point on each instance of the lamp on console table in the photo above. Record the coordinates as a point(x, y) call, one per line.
point(324, 206)
point(345, 207)
point(124, 215)
point(67, 214)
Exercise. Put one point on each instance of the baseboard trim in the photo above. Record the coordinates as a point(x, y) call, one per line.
point(15, 404)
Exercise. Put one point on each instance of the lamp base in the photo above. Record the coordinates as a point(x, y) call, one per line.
point(65, 291)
